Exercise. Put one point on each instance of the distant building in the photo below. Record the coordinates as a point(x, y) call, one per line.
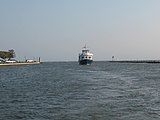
point(10, 61)
point(2, 60)
point(30, 61)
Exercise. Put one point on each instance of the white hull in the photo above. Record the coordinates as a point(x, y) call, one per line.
point(86, 57)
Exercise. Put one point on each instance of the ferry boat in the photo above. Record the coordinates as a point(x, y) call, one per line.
point(86, 57)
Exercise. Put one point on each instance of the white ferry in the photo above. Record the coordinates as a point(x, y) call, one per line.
point(86, 57)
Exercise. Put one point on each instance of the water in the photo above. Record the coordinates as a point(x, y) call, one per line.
point(67, 91)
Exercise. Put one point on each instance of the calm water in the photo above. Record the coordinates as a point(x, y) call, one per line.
point(67, 91)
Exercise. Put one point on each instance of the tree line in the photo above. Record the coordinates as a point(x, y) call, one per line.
point(7, 54)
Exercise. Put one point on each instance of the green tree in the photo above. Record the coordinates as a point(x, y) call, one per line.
point(11, 54)
point(7, 54)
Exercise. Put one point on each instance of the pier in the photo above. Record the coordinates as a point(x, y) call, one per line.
point(18, 64)
point(136, 61)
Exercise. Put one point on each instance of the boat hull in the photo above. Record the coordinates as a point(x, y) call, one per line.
point(85, 62)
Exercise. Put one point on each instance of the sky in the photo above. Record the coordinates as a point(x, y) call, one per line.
point(56, 30)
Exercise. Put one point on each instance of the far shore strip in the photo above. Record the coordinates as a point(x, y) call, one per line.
point(10, 64)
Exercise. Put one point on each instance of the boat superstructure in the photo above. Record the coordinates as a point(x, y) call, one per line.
point(86, 57)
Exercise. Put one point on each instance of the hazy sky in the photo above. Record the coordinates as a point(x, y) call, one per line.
point(56, 30)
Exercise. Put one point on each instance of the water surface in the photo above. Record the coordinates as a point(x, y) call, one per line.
point(67, 91)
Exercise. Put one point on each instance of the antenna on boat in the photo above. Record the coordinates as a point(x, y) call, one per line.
point(85, 46)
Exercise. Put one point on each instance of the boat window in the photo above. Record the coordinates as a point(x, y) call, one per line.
point(82, 57)
point(89, 57)
point(85, 51)
point(86, 56)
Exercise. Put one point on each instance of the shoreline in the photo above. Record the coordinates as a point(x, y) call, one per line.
point(16, 64)
point(137, 61)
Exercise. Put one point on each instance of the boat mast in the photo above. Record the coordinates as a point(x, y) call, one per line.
point(85, 47)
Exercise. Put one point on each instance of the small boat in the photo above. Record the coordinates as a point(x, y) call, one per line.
point(86, 57)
